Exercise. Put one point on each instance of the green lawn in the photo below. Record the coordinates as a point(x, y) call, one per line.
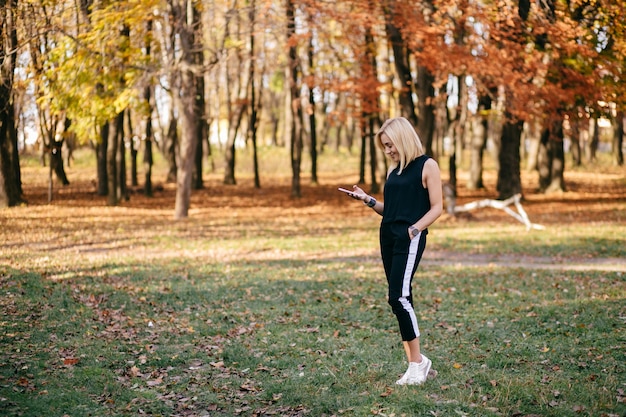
point(177, 320)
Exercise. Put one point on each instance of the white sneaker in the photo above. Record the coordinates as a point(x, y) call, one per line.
point(417, 373)
point(432, 374)
point(403, 379)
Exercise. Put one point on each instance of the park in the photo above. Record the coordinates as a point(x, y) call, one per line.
point(260, 304)
point(173, 241)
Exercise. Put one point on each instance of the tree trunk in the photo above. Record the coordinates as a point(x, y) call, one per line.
point(148, 159)
point(552, 158)
point(509, 178)
point(495, 121)
point(236, 97)
point(188, 146)
point(147, 152)
point(122, 184)
point(230, 151)
point(551, 161)
point(199, 108)
point(102, 149)
point(592, 145)
point(116, 127)
point(255, 105)
point(10, 186)
point(198, 182)
point(147, 96)
point(185, 103)
point(370, 103)
point(575, 139)
point(363, 147)
point(557, 167)
point(311, 111)
point(375, 188)
point(171, 147)
point(10, 172)
point(121, 192)
point(286, 113)
point(618, 138)
point(401, 61)
point(478, 142)
point(253, 128)
point(134, 177)
point(275, 123)
point(532, 136)
point(293, 69)
point(56, 161)
point(459, 128)
point(313, 137)
point(425, 93)
point(171, 141)
point(543, 161)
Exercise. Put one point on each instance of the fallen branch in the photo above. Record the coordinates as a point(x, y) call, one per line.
point(520, 215)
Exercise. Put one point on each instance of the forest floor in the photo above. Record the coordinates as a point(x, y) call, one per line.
point(593, 195)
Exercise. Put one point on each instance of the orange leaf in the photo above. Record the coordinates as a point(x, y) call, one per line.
point(387, 392)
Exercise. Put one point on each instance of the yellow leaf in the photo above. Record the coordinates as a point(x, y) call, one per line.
point(457, 365)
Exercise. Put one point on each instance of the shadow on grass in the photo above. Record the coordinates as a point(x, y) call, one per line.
point(314, 337)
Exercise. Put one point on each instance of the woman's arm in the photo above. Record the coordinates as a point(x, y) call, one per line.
point(368, 200)
point(431, 179)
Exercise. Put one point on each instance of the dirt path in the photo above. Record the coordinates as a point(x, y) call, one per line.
point(531, 262)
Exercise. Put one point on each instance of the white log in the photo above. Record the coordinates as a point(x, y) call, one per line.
point(520, 215)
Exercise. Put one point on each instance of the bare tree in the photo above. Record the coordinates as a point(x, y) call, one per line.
point(10, 181)
point(295, 108)
point(184, 23)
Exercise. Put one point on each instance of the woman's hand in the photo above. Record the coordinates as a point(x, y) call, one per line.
point(357, 193)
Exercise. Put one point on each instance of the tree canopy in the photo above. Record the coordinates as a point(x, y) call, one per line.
point(198, 71)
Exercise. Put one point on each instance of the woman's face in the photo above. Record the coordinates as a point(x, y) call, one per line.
point(389, 148)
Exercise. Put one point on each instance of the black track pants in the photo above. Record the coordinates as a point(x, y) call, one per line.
point(401, 256)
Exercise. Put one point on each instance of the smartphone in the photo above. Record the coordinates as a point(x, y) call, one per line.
point(345, 191)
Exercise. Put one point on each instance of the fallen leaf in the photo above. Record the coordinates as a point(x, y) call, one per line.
point(387, 392)
point(134, 372)
point(154, 382)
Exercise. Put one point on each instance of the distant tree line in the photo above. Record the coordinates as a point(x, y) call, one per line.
point(309, 75)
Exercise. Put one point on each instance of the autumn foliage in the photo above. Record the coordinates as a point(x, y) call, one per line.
point(187, 75)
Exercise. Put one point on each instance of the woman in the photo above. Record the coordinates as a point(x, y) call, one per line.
point(412, 202)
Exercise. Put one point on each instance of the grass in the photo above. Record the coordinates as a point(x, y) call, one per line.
point(568, 241)
point(290, 335)
point(248, 311)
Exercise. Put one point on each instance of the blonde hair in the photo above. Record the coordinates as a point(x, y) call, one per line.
point(403, 136)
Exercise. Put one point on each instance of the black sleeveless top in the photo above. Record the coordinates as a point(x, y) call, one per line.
point(406, 199)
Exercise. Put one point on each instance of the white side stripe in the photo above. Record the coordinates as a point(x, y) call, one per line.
point(406, 281)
